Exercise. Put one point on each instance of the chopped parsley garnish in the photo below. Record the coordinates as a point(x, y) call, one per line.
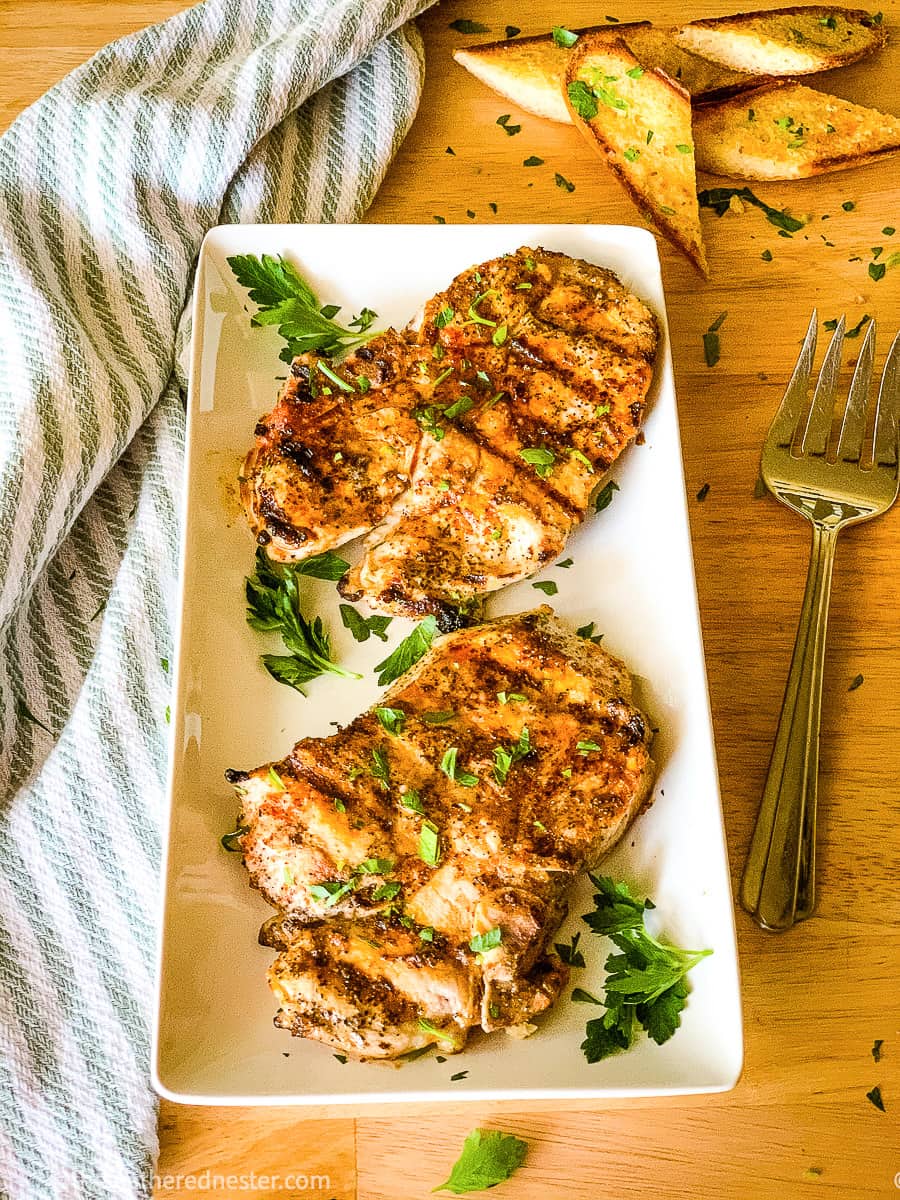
point(603, 498)
point(479, 943)
point(858, 681)
point(439, 220)
point(488, 1158)
point(645, 983)
point(533, 161)
point(463, 26)
point(459, 407)
point(362, 627)
point(848, 206)
point(569, 952)
point(711, 340)
point(339, 383)
point(889, 231)
point(429, 421)
point(828, 22)
point(876, 271)
point(437, 718)
point(649, 138)
point(631, 154)
point(498, 337)
point(459, 1075)
point(426, 933)
point(387, 891)
point(684, 148)
point(512, 130)
point(285, 299)
point(450, 150)
point(766, 256)
point(512, 31)
point(506, 756)
point(408, 652)
point(273, 606)
point(380, 769)
point(874, 1097)
point(587, 632)
point(719, 200)
point(564, 38)
point(276, 781)
point(412, 800)
point(704, 492)
point(582, 99)
point(565, 184)
point(429, 844)
point(858, 327)
point(375, 866)
point(230, 841)
point(540, 458)
point(547, 586)
point(585, 748)
point(876, 1049)
point(392, 719)
point(332, 890)
point(444, 317)
point(511, 697)
point(452, 771)
point(634, 72)
point(566, 562)
point(580, 996)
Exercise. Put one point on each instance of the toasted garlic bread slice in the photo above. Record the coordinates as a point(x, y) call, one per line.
point(530, 71)
point(788, 131)
point(639, 121)
point(785, 41)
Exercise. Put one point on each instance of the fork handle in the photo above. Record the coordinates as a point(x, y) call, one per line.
point(778, 887)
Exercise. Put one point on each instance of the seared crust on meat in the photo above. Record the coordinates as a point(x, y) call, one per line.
point(532, 353)
point(335, 837)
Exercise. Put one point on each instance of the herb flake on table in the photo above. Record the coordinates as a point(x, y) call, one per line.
point(408, 652)
point(703, 493)
point(876, 1049)
point(284, 298)
point(462, 25)
point(488, 1157)
point(547, 586)
point(587, 632)
point(711, 347)
point(720, 201)
point(645, 985)
point(512, 130)
point(512, 31)
point(533, 161)
point(569, 952)
point(562, 182)
point(856, 682)
point(857, 328)
point(874, 1097)
point(273, 606)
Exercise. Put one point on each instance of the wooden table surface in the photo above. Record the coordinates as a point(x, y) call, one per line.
point(816, 998)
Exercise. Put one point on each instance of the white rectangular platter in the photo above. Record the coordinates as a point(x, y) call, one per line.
point(214, 1041)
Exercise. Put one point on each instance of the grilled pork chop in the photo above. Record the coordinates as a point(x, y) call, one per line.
point(508, 760)
point(469, 445)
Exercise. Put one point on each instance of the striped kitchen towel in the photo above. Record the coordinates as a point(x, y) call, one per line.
point(235, 110)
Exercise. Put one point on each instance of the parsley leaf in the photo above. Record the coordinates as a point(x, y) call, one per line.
point(392, 719)
point(564, 38)
point(362, 627)
point(603, 498)
point(408, 652)
point(285, 299)
point(504, 756)
point(533, 161)
point(582, 99)
point(464, 26)
point(645, 982)
point(380, 769)
point(323, 566)
point(481, 942)
point(547, 586)
point(569, 952)
point(540, 458)
point(429, 844)
point(875, 1098)
point(450, 769)
point(488, 1158)
point(273, 606)
point(719, 200)
point(562, 182)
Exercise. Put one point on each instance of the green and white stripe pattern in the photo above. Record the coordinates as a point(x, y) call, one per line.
point(236, 110)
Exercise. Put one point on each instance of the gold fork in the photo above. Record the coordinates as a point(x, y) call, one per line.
point(858, 480)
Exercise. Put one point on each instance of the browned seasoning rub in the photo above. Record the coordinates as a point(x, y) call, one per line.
point(468, 446)
point(419, 877)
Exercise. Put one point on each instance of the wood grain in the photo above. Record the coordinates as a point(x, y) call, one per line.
point(817, 997)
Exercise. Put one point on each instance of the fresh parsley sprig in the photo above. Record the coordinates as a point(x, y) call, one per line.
point(488, 1158)
point(645, 983)
point(285, 299)
point(408, 652)
point(273, 606)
